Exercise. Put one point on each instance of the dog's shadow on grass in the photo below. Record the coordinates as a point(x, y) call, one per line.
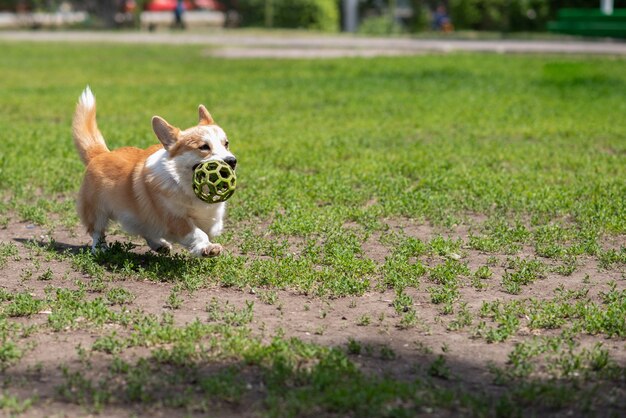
point(60, 248)
point(121, 258)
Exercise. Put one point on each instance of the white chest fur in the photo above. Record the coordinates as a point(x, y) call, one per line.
point(174, 178)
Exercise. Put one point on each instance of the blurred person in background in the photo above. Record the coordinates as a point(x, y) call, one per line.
point(178, 14)
point(441, 20)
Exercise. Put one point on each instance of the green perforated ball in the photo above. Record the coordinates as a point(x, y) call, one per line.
point(214, 181)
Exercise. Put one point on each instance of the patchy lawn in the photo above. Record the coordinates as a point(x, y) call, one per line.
point(442, 234)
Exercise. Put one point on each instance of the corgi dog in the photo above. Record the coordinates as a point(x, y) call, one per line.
point(149, 191)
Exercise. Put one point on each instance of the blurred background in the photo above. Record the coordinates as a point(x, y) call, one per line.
point(373, 17)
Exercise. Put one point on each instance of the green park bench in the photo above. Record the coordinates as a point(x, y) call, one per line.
point(590, 22)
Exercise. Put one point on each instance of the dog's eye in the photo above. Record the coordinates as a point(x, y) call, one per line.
point(204, 147)
point(226, 144)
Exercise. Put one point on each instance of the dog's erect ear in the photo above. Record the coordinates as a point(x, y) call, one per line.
point(167, 134)
point(205, 116)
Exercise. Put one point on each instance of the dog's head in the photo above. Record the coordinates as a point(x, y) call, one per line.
point(203, 142)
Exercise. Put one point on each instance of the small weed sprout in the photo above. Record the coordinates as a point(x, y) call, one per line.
point(439, 368)
point(387, 353)
point(364, 320)
point(354, 347)
point(174, 301)
point(46, 275)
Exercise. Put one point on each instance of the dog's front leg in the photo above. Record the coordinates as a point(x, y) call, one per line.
point(194, 239)
point(198, 244)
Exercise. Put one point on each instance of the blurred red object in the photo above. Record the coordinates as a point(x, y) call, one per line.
point(165, 5)
point(209, 4)
point(169, 5)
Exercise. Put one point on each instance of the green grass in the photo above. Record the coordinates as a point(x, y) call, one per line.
point(10, 350)
point(521, 272)
point(524, 153)
point(546, 143)
point(575, 312)
point(13, 404)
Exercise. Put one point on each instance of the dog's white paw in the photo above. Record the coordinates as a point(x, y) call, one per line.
point(212, 250)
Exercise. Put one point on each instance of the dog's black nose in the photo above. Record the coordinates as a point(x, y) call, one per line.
point(231, 161)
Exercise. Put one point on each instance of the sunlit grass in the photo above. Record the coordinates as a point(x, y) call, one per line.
point(524, 152)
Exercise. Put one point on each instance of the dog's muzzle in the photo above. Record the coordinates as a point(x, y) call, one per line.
point(231, 161)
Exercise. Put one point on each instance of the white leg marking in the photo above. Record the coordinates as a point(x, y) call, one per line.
point(216, 228)
point(159, 245)
point(196, 241)
point(98, 241)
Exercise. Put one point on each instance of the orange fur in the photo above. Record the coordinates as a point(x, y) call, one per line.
point(149, 190)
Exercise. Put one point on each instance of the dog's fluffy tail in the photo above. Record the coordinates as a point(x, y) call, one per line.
point(87, 137)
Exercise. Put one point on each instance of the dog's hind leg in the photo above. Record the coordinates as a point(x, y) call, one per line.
point(98, 241)
point(96, 223)
point(160, 245)
point(92, 213)
point(97, 232)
